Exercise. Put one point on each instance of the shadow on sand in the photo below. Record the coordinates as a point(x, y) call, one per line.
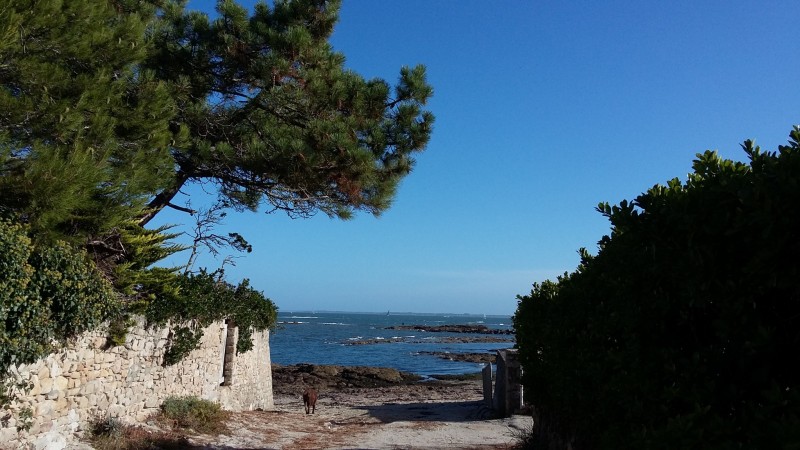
point(433, 412)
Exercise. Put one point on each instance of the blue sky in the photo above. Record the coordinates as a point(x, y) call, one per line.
point(543, 109)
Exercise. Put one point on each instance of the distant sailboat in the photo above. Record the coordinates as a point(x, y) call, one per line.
point(387, 313)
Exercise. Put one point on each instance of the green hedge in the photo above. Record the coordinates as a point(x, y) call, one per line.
point(684, 330)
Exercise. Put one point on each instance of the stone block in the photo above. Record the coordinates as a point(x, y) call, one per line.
point(55, 370)
point(60, 383)
point(90, 387)
point(82, 403)
point(51, 441)
point(152, 402)
point(44, 408)
point(45, 385)
point(61, 406)
point(116, 411)
point(36, 388)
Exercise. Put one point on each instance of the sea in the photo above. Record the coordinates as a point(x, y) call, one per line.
point(362, 339)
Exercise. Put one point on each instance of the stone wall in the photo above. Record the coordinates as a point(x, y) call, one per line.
point(87, 380)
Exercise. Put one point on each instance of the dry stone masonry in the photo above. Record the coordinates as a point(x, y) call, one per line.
point(88, 380)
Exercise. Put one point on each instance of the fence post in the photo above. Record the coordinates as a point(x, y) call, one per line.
point(487, 384)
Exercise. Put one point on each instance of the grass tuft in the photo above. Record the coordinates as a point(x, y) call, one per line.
point(194, 413)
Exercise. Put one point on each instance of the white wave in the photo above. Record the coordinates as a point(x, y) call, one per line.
point(333, 323)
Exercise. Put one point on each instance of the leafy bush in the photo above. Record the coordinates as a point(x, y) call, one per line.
point(682, 332)
point(48, 293)
point(197, 414)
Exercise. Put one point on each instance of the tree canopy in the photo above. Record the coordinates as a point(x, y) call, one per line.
point(273, 115)
point(109, 107)
point(116, 105)
point(682, 331)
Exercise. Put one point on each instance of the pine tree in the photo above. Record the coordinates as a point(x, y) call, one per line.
point(84, 133)
point(274, 116)
point(109, 107)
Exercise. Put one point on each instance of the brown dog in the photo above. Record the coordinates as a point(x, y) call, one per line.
point(310, 400)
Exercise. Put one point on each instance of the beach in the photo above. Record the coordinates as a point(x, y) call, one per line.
point(406, 415)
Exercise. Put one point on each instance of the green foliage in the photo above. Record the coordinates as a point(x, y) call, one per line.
point(191, 412)
point(681, 332)
point(25, 419)
point(106, 426)
point(84, 140)
point(118, 330)
point(183, 340)
point(288, 125)
point(204, 298)
point(47, 294)
point(110, 107)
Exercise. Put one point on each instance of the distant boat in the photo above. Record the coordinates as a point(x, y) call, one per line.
point(387, 313)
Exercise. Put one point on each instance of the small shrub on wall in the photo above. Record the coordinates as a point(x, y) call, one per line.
point(204, 298)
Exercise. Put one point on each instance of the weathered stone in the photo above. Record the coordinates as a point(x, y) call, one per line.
point(55, 370)
point(8, 435)
point(45, 385)
point(89, 388)
point(81, 382)
point(79, 403)
point(60, 383)
point(151, 402)
point(116, 411)
point(44, 408)
point(61, 405)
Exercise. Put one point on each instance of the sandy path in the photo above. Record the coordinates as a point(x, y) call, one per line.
point(450, 415)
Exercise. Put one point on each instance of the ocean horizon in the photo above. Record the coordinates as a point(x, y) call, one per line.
point(364, 339)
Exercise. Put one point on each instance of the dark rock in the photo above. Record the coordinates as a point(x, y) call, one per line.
point(437, 340)
point(465, 357)
point(475, 329)
point(293, 379)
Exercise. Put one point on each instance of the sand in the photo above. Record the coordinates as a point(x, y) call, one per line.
point(441, 415)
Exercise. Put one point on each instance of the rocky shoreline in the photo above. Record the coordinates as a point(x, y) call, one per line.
point(465, 357)
point(438, 340)
point(473, 329)
point(293, 379)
